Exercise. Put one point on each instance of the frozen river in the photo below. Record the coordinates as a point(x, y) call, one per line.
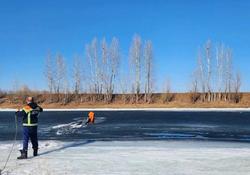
point(136, 125)
point(133, 142)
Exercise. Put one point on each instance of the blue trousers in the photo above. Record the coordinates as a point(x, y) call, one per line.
point(30, 132)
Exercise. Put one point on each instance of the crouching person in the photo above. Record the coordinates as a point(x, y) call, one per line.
point(91, 118)
point(29, 113)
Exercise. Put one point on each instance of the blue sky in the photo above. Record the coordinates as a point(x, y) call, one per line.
point(29, 29)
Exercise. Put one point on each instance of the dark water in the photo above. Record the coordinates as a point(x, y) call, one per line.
point(137, 125)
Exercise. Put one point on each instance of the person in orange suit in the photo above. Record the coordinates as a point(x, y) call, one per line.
point(91, 118)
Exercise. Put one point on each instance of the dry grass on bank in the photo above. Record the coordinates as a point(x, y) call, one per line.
point(173, 100)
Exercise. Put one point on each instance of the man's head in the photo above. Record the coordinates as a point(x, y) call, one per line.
point(29, 100)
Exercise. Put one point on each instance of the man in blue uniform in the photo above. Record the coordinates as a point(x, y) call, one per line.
point(29, 113)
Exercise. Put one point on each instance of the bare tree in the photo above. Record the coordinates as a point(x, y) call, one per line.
point(90, 75)
point(77, 75)
point(237, 83)
point(104, 69)
point(61, 76)
point(222, 77)
point(24, 91)
point(219, 70)
point(66, 88)
point(16, 85)
point(92, 54)
point(124, 80)
point(97, 66)
point(123, 84)
point(205, 72)
point(201, 75)
point(208, 57)
point(148, 58)
point(167, 95)
point(114, 56)
point(136, 61)
point(50, 74)
point(236, 88)
point(228, 74)
point(110, 62)
point(194, 94)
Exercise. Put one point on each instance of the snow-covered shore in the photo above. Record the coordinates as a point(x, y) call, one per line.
point(132, 157)
point(143, 109)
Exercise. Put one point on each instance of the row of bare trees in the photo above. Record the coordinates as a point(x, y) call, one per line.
point(141, 60)
point(103, 63)
point(214, 78)
point(56, 75)
point(104, 71)
point(98, 72)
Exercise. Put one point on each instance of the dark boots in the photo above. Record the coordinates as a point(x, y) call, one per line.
point(35, 151)
point(23, 154)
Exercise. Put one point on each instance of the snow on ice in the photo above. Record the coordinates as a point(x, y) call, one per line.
point(132, 157)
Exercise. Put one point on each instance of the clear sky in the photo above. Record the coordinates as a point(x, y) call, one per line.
point(29, 29)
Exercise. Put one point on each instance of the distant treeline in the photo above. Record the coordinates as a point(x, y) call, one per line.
point(104, 74)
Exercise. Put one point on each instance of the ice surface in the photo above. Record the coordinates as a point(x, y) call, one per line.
point(132, 158)
point(72, 127)
point(68, 128)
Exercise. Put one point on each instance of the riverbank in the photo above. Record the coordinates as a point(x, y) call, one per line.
point(132, 157)
point(141, 109)
point(178, 100)
point(134, 106)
